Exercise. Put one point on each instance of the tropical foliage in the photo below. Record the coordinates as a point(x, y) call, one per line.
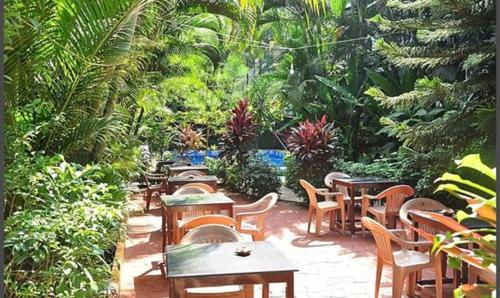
point(475, 183)
point(240, 132)
point(312, 145)
point(95, 90)
point(455, 40)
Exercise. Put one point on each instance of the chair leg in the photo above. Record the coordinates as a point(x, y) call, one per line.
point(248, 291)
point(342, 219)
point(412, 280)
point(439, 275)
point(380, 265)
point(309, 220)
point(363, 214)
point(398, 281)
point(319, 220)
point(148, 200)
point(332, 219)
point(472, 275)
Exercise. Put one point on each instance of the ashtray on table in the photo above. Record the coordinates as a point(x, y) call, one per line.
point(243, 251)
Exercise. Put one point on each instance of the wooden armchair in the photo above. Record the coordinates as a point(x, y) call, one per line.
point(154, 188)
point(405, 263)
point(394, 197)
point(256, 211)
point(321, 208)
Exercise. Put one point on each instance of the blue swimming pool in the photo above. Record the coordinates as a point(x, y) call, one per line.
point(273, 157)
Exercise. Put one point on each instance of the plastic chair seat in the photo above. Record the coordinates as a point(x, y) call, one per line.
point(376, 210)
point(328, 205)
point(410, 258)
point(348, 198)
point(248, 226)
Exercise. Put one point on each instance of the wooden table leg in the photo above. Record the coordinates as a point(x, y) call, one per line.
point(230, 211)
point(289, 286)
point(170, 224)
point(351, 212)
point(176, 288)
point(163, 230)
point(265, 290)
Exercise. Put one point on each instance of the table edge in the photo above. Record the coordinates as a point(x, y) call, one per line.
point(230, 274)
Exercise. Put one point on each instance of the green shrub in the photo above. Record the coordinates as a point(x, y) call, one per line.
point(295, 171)
point(406, 167)
point(255, 178)
point(216, 167)
point(62, 227)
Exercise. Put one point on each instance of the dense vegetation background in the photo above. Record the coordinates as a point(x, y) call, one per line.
point(405, 88)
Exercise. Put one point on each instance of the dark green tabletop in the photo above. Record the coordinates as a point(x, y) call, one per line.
point(207, 178)
point(198, 199)
point(363, 181)
point(188, 168)
point(197, 260)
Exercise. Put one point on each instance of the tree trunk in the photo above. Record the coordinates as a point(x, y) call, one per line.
point(109, 109)
point(139, 119)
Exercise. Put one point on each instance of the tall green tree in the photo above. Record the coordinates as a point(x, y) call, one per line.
point(454, 43)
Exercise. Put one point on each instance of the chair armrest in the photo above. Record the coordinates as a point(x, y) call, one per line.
point(401, 233)
point(320, 190)
point(368, 197)
point(339, 197)
point(243, 208)
point(250, 214)
point(409, 244)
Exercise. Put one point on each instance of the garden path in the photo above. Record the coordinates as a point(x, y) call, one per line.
point(331, 265)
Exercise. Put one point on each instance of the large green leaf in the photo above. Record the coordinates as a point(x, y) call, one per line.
point(345, 94)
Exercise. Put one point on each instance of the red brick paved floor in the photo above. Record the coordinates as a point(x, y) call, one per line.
point(331, 265)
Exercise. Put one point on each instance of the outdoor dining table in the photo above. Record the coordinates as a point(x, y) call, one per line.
point(362, 183)
point(174, 171)
point(173, 204)
point(177, 181)
point(209, 265)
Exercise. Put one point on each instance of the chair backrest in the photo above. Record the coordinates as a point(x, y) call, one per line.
point(149, 176)
point(212, 234)
point(263, 205)
point(340, 188)
point(266, 202)
point(417, 204)
point(191, 173)
point(395, 197)
point(382, 239)
point(201, 185)
point(190, 190)
point(311, 192)
point(215, 219)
